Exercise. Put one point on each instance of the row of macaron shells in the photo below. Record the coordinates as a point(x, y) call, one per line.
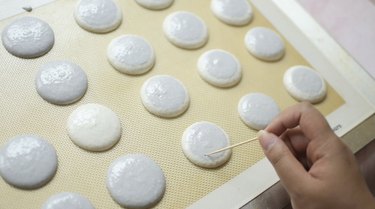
point(225, 56)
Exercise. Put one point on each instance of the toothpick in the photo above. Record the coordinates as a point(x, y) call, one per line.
point(234, 145)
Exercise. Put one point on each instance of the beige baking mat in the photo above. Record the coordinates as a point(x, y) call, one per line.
point(23, 111)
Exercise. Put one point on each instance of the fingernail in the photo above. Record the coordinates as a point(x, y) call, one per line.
point(266, 140)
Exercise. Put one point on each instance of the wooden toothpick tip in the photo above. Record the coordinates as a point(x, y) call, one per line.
point(235, 145)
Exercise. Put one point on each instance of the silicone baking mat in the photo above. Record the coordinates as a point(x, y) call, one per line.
point(24, 111)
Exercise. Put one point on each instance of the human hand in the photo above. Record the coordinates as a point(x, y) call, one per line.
point(315, 167)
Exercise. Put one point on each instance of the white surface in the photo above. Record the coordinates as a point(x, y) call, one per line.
point(155, 4)
point(304, 84)
point(98, 16)
point(94, 127)
point(131, 54)
point(264, 44)
point(67, 200)
point(165, 96)
point(232, 12)
point(61, 82)
point(27, 161)
point(219, 68)
point(185, 30)
point(135, 181)
point(28, 37)
point(204, 137)
point(257, 110)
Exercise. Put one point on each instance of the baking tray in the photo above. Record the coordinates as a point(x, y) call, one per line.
point(23, 111)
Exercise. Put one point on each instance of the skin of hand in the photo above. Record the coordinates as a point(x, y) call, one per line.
point(315, 167)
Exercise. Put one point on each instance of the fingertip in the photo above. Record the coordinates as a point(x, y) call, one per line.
point(266, 140)
point(261, 132)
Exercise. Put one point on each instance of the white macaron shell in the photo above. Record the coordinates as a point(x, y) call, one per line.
point(185, 30)
point(28, 162)
point(219, 68)
point(98, 16)
point(135, 181)
point(232, 12)
point(204, 137)
point(264, 44)
point(131, 54)
point(305, 84)
point(94, 127)
point(165, 96)
point(257, 110)
point(28, 37)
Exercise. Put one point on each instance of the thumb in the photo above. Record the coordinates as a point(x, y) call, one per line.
point(291, 172)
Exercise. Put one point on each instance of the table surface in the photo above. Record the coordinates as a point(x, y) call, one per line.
point(351, 23)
